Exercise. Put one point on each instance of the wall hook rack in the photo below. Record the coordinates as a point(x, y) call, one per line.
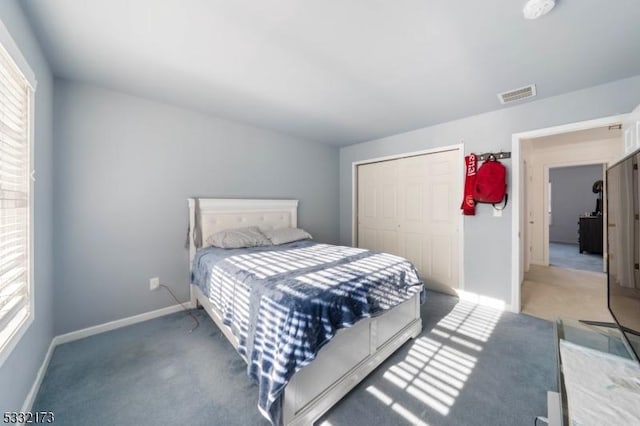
point(499, 155)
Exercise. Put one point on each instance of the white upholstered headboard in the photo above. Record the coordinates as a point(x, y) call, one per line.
point(217, 214)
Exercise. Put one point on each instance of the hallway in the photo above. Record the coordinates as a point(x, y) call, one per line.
point(550, 292)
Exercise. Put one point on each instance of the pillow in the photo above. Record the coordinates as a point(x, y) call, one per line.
point(250, 236)
point(286, 235)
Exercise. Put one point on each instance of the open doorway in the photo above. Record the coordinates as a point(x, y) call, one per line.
point(576, 228)
point(563, 274)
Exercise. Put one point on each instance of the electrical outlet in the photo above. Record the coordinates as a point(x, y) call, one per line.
point(497, 212)
point(154, 283)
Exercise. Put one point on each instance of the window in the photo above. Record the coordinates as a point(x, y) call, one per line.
point(16, 301)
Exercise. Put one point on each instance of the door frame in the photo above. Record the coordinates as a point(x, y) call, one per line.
point(516, 217)
point(354, 195)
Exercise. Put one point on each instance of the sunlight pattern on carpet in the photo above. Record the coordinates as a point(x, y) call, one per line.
point(438, 365)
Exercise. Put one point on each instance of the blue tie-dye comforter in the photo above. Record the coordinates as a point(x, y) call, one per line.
point(283, 303)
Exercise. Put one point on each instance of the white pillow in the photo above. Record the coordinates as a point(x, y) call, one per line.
point(286, 235)
point(250, 236)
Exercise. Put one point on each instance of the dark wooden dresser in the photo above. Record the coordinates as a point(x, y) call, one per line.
point(590, 234)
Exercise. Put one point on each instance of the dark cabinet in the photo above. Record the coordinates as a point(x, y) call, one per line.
point(590, 234)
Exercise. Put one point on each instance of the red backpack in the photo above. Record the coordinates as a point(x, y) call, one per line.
point(491, 183)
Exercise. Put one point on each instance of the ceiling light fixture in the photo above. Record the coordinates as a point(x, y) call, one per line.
point(534, 9)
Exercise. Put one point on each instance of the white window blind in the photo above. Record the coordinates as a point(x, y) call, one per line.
point(15, 205)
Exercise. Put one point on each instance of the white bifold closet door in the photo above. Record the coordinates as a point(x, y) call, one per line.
point(411, 207)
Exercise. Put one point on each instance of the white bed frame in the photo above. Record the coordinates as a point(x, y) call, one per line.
point(349, 357)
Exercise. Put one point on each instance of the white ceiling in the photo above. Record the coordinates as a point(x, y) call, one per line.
point(337, 71)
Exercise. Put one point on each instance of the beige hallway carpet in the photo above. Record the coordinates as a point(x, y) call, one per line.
point(550, 292)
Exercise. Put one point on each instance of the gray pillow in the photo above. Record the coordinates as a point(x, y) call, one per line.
point(250, 236)
point(286, 235)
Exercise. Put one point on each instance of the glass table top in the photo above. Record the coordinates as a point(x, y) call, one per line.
point(607, 339)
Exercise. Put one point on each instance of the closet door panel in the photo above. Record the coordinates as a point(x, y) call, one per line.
point(442, 219)
point(409, 207)
point(413, 249)
point(377, 206)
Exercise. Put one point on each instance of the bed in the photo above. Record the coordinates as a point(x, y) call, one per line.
point(315, 383)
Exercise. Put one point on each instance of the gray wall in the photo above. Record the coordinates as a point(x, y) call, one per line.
point(487, 240)
point(571, 196)
point(18, 372)
point(124, 169)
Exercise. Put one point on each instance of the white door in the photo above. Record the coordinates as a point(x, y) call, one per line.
point(378, 206)
point(410, 207)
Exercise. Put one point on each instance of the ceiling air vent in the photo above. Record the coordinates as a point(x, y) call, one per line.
point(517, 94)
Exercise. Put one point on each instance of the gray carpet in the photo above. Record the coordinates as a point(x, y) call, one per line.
point(470, 366)
point(568, 256)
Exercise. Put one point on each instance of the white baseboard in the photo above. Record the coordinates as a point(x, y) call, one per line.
point(31, 396)
point(112, 325)
point(478, 299)
point(90, 331)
